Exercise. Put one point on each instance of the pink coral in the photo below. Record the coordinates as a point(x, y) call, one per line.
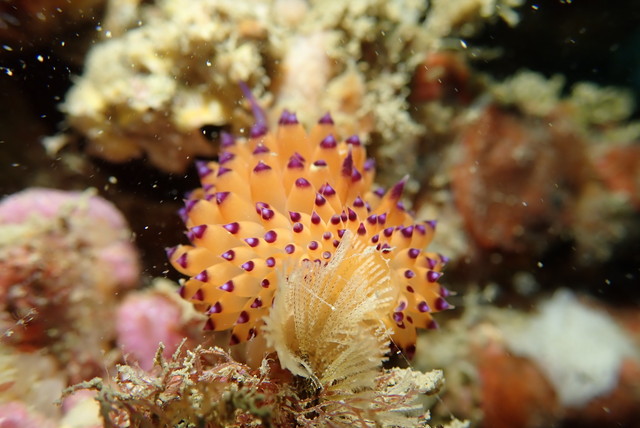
point(106, 228)
point(145, 320)
point(284, 200)
point(16, 415)
point(64, 257)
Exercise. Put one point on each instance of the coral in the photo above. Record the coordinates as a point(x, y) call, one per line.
point(204, 386)
point(601, 105)
point(16, 415)
point(518, 177)
point(459, 342)
point(285, 200)
point(33, 378)
point(160, 77)
point(208, 388)
point(153, 316)
point(592, 168)
point(580, 344)
point(531, 92)
point(603, 220)
point(466, 15)
point(169, 67)
point(64, 256)
point(583, 358)
point(591, 105)
point(102, 226)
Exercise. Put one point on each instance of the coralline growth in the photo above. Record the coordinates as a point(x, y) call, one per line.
point(165, 69)
point(65, 257)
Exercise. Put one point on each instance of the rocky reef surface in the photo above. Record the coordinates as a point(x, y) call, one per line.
point(516, 122)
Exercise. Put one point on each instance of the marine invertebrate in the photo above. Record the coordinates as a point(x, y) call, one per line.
point(30, 378)
point(285, 205)
point(541, 362)
point(578, 366)
point(501, 208)
point(327, 327)
point(16, 414)
point(96, 221)
point(64, 258)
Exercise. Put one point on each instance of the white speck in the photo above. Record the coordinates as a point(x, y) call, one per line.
point(113, 180)
point(540, 265)
point(463, 44)
point(40, 58)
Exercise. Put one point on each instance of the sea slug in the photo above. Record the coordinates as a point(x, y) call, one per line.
point(278, 200)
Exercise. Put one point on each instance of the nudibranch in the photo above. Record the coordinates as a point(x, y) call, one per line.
point(278, 199)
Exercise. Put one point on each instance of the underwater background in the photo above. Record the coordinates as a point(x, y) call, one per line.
point(513, 124)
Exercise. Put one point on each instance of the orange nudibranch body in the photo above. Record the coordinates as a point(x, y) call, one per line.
point(276, 200)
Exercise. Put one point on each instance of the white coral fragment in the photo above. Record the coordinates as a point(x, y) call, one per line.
point(532, 92)
point(579, 348)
